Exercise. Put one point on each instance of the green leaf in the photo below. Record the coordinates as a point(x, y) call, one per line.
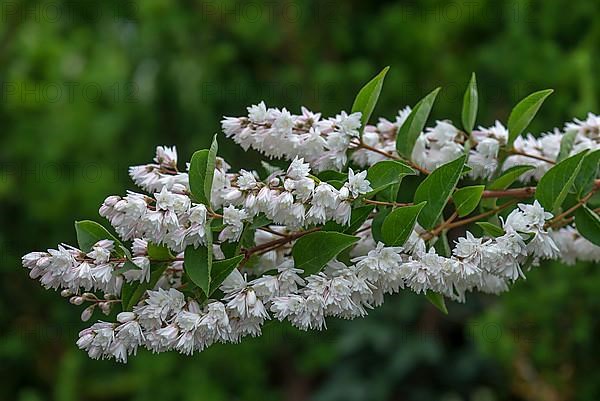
point(377, 223)
point(332, 175)
point(313, 251)
point(491, 229)
point(553, 187)
point(159, 252)
point(385, 173)
point(399, 224)
point(588, 224)
point(414, 124)
point(587, 173)
point(198, 264)
point(132, 292)
point(524, 112)
point(566, 145)
point(470, 105)
point(221, 269)
point(438, 301)
point(436, 190)
point(466, 199)
point(359, 216)
point(503, 182)
point(509, 177)
point(89, 232)
point(367, 97)
point(202, 168)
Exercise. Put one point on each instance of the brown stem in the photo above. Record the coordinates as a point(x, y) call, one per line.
point(582, 201)
point(362, 145)
point(518, 152)
point(525, 192)
point(278, 242)
point(480, 216)
point(382, 203)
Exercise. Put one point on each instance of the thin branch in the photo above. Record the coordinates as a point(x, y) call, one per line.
point(382, 203)
point(525, 192)
point(362, 145)
point(540, 158)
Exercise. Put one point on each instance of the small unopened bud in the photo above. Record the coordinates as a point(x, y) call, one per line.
point(125, 317)
point(89, 295)
point(76, 300)
point(87, 313)
point(66, 293)
point(104, 307)
point(274, 182)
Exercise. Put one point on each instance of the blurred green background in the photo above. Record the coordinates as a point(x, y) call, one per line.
point(89, 88)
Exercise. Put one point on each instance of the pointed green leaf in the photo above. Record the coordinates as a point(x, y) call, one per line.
point(414, 124)
point(198, 263)
point(509, 177)
point(132, 292)
point(436, 190)
point(221, 269)
point(588, 224)
point(588, 172)
point(566, 145)
point(367, 98)
point(202, 168)
point(377, 223)
point(554, 186)
point(491, 229)
point(89, 232)
point(332, 175)
point(313, 251)
point(159, 252)
point(438, 301)
point(359, 216)
point(385, 173)
point(521, 116)
point(399, 224)
point(470, 105)
point(466, 199)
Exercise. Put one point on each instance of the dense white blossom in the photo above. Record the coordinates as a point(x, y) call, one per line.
point(267, 285)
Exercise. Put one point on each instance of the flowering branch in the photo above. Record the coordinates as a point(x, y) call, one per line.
point(330, 251)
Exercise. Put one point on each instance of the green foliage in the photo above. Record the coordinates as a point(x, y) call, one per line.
point(587, 222)
point(522, 114)
point(414, 124)
point(470, 105)
point(359, 216)
point(504, 181)
point(491, 229)
point(566, 145)
point(202, 168)
point(584, 181)
point(133, 292)
point(385, 173)
point(89, 232)
point(466, 199)
point(554, 186)
point(399, 224)
point(313, 251)
point(367, 98)
point(221, 269)
point(438, 301)
point(436, 190)
point(198, 263)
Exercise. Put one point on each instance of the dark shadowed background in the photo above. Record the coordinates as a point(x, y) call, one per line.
point(88, 88)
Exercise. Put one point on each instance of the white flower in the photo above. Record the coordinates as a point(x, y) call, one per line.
point(358, 183)
point(298, 169)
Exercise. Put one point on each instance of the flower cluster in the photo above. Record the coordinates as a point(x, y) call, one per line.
point(257, 221)
point(278, 133)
